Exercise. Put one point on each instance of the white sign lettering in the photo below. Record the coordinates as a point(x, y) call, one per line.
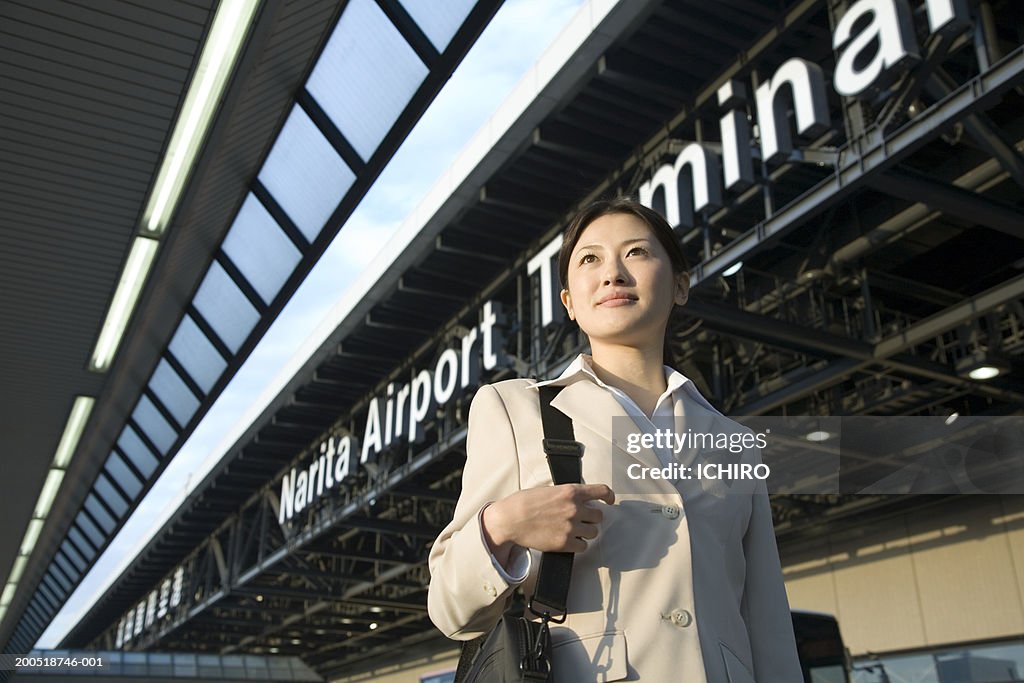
point(874, 41)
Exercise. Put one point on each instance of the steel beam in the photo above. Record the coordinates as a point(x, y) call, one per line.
point(861, 158)
point(953, 201)
point(889, 351)
point(982, 130)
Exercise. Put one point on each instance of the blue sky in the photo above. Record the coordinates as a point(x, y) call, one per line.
point(508, 47)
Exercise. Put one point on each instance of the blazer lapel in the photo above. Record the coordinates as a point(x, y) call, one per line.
point(693, 418)
point(596, 409)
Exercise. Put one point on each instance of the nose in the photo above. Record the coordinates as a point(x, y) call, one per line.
point(615, 272)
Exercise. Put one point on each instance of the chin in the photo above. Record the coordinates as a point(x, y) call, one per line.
point(624, 337)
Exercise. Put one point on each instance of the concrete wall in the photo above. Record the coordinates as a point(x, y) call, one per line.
point(948, 573)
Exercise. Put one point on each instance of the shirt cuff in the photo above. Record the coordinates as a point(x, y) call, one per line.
point(519, 560)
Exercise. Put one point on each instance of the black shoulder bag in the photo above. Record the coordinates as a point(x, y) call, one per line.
point(518, 649)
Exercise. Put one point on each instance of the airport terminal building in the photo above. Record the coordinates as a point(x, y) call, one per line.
point(846, 178)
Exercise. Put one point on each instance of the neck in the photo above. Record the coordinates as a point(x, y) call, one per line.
point(639, 372)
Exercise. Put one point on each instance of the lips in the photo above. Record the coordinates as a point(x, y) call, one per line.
point(616, 298)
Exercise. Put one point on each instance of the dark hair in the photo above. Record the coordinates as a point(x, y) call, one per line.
point(654, 220)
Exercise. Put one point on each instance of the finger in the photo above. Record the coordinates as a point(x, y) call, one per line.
point(575, 545)
point(586, 531)
point(597, 492)
point(591, 515)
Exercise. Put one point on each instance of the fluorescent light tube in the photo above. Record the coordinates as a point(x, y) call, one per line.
point(8, 594)
point(73, 430)
point(35, 527)
point(49, 493)
point(15, 576)
point(216, 62)
point(140, 260)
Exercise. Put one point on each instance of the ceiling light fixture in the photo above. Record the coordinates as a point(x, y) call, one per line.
point(216, 62)
point(982, 365)
point(35, 527)
point(80, 410)
point(49, 493)
point(73, 430)
point(16, 571)
point(733, 269)
point(140, 260)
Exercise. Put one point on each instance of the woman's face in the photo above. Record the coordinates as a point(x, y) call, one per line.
point(621, 287)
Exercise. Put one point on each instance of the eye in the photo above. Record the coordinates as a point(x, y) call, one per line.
point(586, 258)
point(638, 250)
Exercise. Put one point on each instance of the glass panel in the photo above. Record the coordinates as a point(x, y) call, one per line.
point(112, 662)
point(58, 582)
point(90, 530)
point(46, 588)
point(185, 665)
point(304, 174)
point(55, 587)
point(154, 425)
point(77, 560)
point(256, 668)
point(225, 308)
point(365, 76)
point(234, 666)
point(260, 249)
point(63, 563)
point(48, 598)
point(82, 543)
point(136, 451)
point(279, 669)
point(173, 392)
point(43, 610)
point(60, 579)
point(134, 664)
point(209, 666)
point(34, 617)
point(197, 354)
point(110, 496)
point(47, 601)
point(160, 664)
point(438, 20)
point(102, 517)
point(122, 474)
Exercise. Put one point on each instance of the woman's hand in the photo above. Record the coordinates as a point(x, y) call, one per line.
point(546, 518)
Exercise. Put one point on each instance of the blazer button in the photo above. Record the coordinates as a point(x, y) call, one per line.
point(681, 618)
point(490, 589)
point(670, 511)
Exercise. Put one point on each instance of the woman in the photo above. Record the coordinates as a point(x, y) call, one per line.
point(674, 579)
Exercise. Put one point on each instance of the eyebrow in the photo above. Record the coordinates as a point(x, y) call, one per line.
point(627, 242)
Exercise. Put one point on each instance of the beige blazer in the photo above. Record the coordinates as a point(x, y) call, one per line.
point(679, 585)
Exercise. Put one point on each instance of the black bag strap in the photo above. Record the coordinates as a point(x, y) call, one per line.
point(564, 454)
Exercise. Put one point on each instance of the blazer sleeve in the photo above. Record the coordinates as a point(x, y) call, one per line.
point(467, 594)
point(765, 607)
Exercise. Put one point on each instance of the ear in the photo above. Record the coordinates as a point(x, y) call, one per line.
point(567, 302)
point(682, 288)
